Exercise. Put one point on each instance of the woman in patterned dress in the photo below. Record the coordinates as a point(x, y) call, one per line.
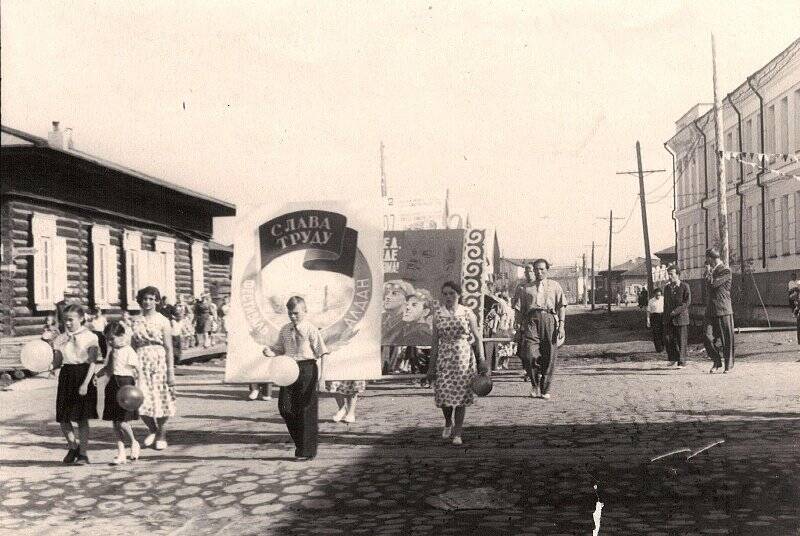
point(452, 367)
point(346, 393)
point(152, 340)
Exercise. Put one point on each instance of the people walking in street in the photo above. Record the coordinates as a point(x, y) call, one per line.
point(540, 310)
point(152, 340)
point(655, 318)
point(346, 394)
point(504, 328)
point(203, 321)
point(718, 323)
point(297, 403)
point(264, 390)
point(78, 351)
point(677, 298)
point(122, 369)
point(224, 309)
point(452, 366)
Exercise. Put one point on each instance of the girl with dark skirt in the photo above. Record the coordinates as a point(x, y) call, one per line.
point(76, 400)
point(123, 369)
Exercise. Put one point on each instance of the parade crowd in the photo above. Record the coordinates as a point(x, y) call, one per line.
point(138, 351)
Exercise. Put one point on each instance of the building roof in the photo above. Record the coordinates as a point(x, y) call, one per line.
point(666, 251)
point(12, 137)
point(758, 78)
point(216, 246)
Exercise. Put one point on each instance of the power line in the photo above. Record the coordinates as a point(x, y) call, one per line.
point(628, 219)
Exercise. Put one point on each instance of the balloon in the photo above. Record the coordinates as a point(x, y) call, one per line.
point(560, 340)
point(481, 384)
point(130, 397)
point(36, 356)
point(283, 370)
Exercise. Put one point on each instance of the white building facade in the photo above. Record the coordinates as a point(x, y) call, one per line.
point(761, 144)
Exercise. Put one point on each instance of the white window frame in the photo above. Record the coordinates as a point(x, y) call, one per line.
point(198, 278)
point(132, 244)
point(165, 250)
point(49, 262)
point(104, 256)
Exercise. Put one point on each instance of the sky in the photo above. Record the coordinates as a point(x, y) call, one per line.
point(525, 111)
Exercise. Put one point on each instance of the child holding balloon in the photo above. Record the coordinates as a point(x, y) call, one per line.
point(76, 400)
point(123, 368)
point(297, 403)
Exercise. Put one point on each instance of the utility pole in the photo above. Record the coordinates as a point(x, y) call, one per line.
point(384, 188)
point(610, 219)
point(594, 287)
point(583, 279)
point(722, 187)
point(641, 173)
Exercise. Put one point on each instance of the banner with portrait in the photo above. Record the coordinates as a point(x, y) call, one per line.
point(326, 252)
point(415, 266)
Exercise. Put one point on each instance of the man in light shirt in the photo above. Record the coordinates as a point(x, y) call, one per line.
point(655, 318)
point(540, 309)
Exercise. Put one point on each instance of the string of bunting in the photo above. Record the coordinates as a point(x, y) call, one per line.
point(761, 159)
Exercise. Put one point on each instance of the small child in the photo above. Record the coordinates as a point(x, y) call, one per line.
point(76, 400)
point(262, 389)
point(50, 331)
point(123, 369)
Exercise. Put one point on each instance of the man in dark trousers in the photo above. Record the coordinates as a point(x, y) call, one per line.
point(677, 298)
point(540, 308)
point(719, 312)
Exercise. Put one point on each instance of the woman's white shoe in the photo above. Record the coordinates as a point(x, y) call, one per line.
point(340, 414)
point(135, 450)
point(349, 419)
point(446, 431)
point(120, 459)
point(161, 444)
point(457, 440)
point(149, 440)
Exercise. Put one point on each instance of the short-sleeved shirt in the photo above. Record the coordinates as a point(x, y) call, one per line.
point(74, 347)
point(656, 305)
point(546, 294)
point(300, 342)
point(124, 361)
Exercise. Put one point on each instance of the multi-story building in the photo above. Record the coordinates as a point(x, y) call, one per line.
point(761, 144)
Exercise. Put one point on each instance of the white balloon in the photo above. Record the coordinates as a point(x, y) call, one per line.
point(36, 356)
point(283, 370)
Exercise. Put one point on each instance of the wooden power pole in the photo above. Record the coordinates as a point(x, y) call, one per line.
point(722, 189)
point(641, 173)
point(583, 279)
point(611, 219)
point(594, 286)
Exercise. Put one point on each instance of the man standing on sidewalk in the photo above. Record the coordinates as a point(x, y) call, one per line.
point(719, 312)
point(677, 298)
point(540, 309)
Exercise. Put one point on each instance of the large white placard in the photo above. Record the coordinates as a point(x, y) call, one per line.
point(328, 252)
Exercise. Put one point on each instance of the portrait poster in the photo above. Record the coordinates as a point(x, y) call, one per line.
point(415, 266)
point(328, 253)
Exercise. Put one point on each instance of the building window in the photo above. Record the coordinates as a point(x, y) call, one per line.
point(747, 233)
point(134, 260)
point(198, 282)
point(797, 121)
point(758, 229)
point(797, 222)
point(769, 130)
point(783, 129)
point(785, 224)
point(49, 262)
point(165, 251)
point(772, 228)
point(729, 162)
point(104, 271)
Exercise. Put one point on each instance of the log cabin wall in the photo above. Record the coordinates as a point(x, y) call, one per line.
point(19, 315)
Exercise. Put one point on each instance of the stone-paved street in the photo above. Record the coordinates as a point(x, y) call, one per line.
point(533, 463)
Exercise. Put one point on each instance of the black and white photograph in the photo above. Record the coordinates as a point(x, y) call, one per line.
point(399, 268)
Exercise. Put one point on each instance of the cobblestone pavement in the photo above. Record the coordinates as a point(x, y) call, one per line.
point(228, 469)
